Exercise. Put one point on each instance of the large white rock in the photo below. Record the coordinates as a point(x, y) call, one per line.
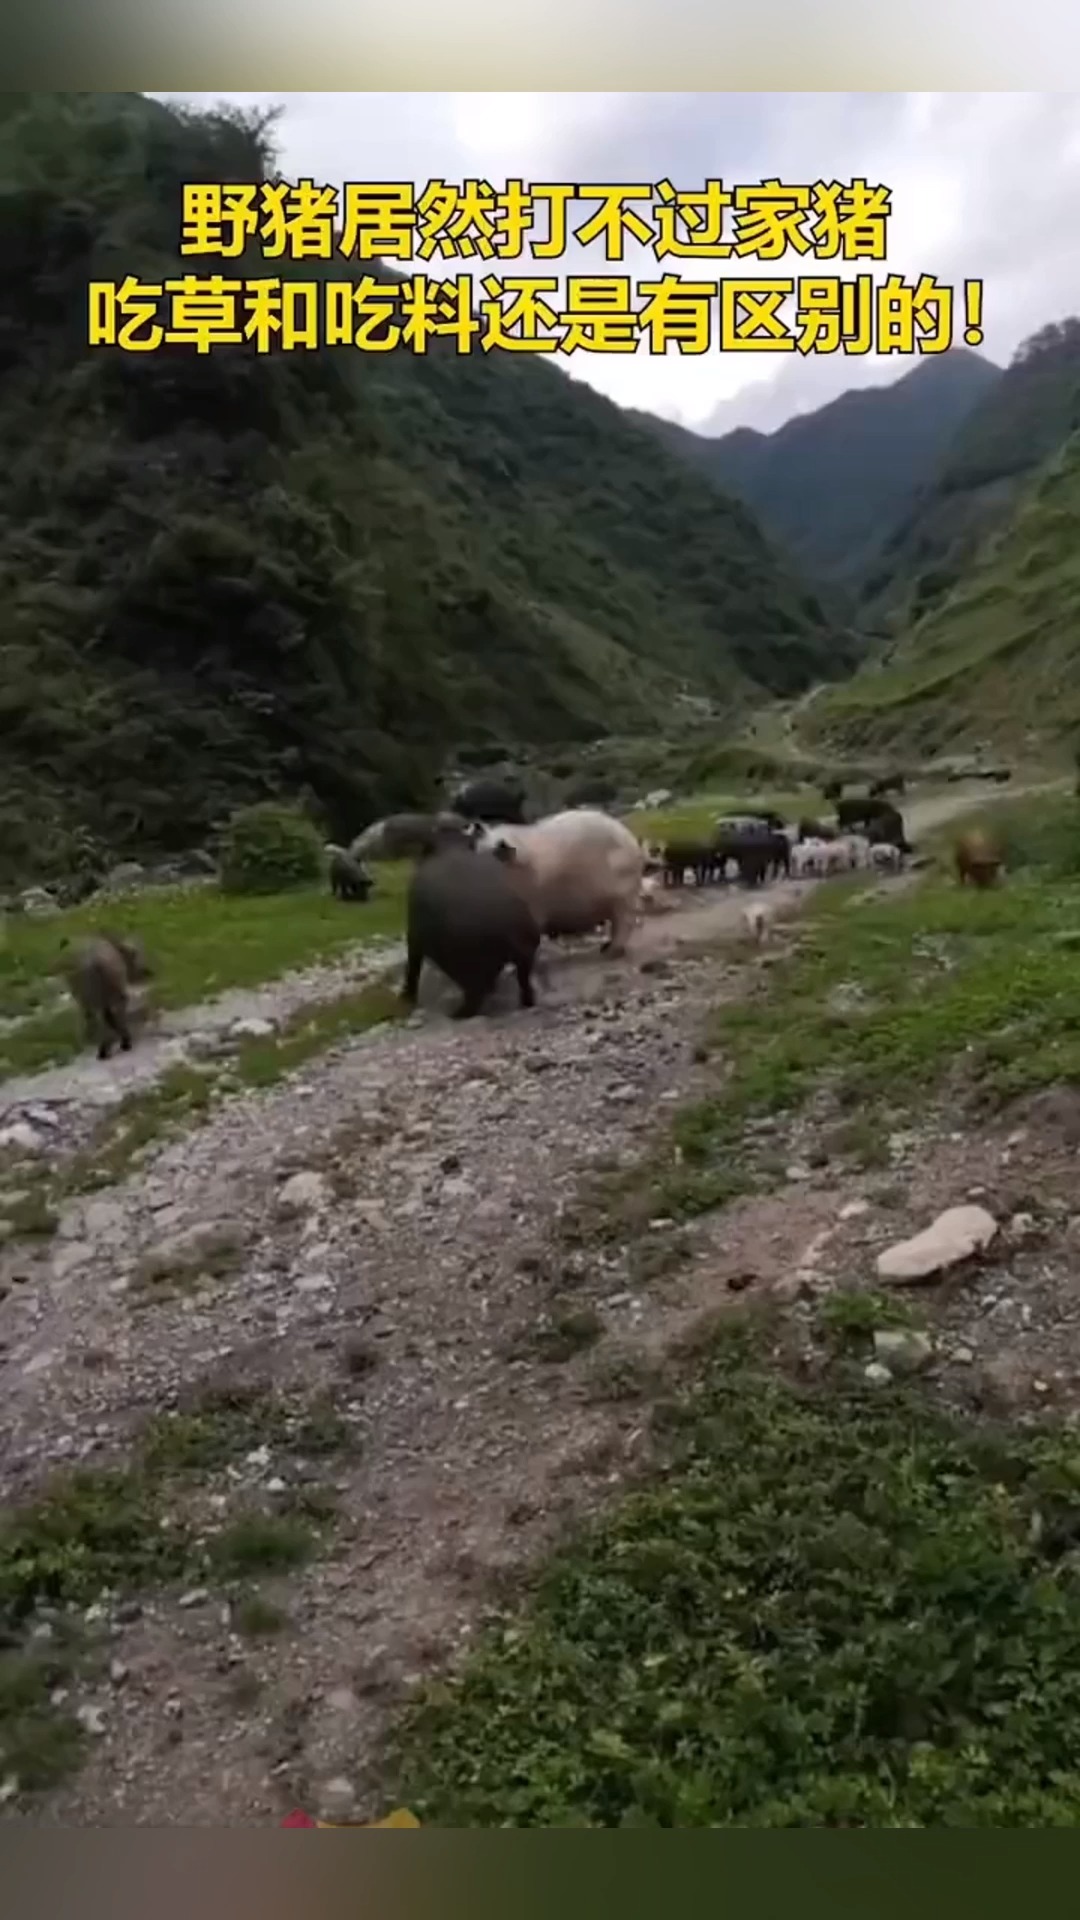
point(955, 1236)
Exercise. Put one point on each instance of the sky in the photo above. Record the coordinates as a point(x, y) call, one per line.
point(983, 185)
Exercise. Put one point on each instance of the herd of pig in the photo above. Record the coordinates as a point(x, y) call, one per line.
point(484, 893)
point(760, 847)
point(487, 887)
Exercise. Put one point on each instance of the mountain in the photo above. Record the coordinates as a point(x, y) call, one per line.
point(831, 486)
point(1014, 426)
point(229, 575)
point(997, 661)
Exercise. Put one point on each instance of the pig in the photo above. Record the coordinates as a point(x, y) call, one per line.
point(100, 972)
point(491, 801)
point(585, 868)
point(697, 855)
point(977, 859)
point(349, 878)
point(402, 836)
point(886, 828)
point(860, 809)
point(470, 913)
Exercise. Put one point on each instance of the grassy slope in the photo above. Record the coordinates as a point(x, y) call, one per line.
point(1018, 423)
point(997, 660)
point(832, 484)
point(228, 576)
point(833, 1608)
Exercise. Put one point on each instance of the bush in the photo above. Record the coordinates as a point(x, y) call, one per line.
point(269, 849)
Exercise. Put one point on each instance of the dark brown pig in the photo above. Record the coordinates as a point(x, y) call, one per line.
point(471, 918)
point(101, 972)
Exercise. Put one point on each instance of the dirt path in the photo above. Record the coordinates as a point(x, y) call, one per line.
point(87, 1083)
point(418, 1275)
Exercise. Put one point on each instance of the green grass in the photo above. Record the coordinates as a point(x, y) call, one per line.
point(200, 942)
point(257, 1618)
point(977, 986)
point(835, 1608)
point(38, 1744)
point(260, 1543)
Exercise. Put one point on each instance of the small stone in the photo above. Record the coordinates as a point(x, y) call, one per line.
point(853, 1209)
point(72, 1254)
point(903, 1349)
point(21, 1138)
point(252, 1029)
point(101, 1217)
point(964, 1356)
point(118, 1672)
point(796, 1173)
point(876, 1375)
point(91, 1719)
point(337, 1796)
point(302, 1194)
point(195, 1597)
point(41, 1362)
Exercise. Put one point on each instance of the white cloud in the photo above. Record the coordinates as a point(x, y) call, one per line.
point(984, 185)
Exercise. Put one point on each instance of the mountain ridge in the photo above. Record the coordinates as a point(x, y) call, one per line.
point(817, 482)
point(997, 660)
point(316, 575)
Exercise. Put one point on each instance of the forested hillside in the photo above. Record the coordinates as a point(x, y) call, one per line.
point(233, 575)
point(999, 659)
point(832, 485)
point(1017, 423)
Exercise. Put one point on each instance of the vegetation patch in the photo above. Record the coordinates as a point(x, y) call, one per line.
point(269, 849)
point(122, 1530)
point(562, 1334)
point(257, 1618)
point(835, 1608)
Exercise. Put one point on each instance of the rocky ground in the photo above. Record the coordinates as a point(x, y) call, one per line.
point(388, 1229)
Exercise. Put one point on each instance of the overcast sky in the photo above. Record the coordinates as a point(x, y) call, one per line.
point(984, 185)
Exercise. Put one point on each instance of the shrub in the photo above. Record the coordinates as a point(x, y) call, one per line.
point(269, 849)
